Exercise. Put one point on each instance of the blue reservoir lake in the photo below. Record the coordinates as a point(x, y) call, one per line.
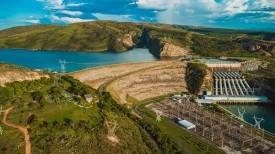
point(266, 111)
point(75, 60)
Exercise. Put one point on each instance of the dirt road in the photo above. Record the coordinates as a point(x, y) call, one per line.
point(24, 130)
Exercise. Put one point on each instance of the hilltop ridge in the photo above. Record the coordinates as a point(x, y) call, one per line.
point(162, 40)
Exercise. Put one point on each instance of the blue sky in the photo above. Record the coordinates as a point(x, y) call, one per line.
point(237, 14)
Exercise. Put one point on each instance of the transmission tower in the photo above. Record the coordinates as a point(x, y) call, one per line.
point(258, 122)
point(241, 113)
point(188, 98)
point(111, 128)
point(159, 114)
point(1, 110)
point(63, 69)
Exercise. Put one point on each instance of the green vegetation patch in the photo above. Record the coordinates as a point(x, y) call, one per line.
point(195, 74)
point(58, 123)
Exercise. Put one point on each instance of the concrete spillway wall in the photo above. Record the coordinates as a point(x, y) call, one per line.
point(228, 65)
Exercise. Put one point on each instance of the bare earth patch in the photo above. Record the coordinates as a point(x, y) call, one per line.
point(113, 139)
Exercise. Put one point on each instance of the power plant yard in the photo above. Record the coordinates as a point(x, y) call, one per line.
point(227, 134)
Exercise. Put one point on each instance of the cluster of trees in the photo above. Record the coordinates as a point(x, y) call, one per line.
point(20, 88)
point(195, 73)
point(215, 47)
point(78, 88)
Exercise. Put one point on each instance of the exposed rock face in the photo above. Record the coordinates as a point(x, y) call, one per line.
point(266, 48)
point(160, 49)
point(12, 76)
point(127, 40)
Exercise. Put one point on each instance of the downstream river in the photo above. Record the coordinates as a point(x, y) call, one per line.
point(75, 60)
point(259, 110)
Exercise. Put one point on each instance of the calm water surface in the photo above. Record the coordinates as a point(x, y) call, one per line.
point(259, 110)
point(75, 60)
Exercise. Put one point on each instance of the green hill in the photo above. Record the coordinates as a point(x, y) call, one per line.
point(173, 40)
point(118, 36)
point(58, 122)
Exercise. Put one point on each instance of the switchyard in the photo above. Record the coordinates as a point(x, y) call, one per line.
point(218, 129)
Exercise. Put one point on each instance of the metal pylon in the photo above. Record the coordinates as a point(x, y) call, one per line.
point(111, 128)
point(1, 130)
point(1, 110)
point(258, 122)
point(63, 68)
point(188, 97)
point(159, 114)
point(241, 113)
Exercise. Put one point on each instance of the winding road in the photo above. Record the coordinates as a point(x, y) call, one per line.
point(24, 130)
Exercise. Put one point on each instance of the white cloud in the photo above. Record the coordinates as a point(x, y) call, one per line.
point(235, 6)
point(58, 4)
point(72, 13)
point(198, 12)
point(101, 16)
point(55, 18)
point(75, 4)
point(53, 4)
point(32, 21)
point(158, 4)
point(270, 3)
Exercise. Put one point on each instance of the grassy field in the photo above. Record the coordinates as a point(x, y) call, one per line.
point(178, 134)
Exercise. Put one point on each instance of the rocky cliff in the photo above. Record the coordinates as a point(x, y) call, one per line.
point(12, 73)
point(127, 40)
point(164, 49)
point(266, 48)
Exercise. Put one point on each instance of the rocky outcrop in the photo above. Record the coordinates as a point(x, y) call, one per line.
point(162, 49)
point(127, 40)
point(12, 76)
point(265, 48)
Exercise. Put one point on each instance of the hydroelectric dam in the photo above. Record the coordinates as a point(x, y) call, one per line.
point(229, 85)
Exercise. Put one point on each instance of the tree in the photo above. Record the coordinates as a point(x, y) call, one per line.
point(32, 118)
point(195, 74)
